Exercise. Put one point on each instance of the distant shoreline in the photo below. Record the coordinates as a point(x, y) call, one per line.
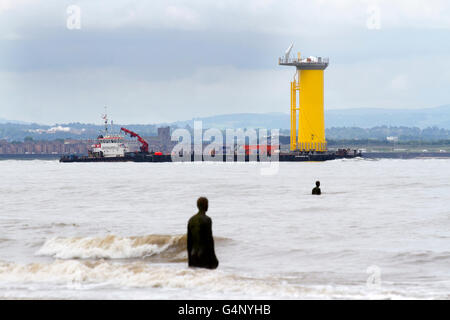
point(368, 155)
point(30, 156)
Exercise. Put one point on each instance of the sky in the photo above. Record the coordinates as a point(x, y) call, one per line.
point(161, 61)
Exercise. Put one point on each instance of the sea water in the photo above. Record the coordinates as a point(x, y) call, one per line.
point(380, 230)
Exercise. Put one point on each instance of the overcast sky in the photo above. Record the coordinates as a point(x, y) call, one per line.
point(156, 61)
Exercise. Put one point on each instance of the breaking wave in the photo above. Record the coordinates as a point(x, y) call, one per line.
point(171, 248)
point(75, 274)
point(168, 247)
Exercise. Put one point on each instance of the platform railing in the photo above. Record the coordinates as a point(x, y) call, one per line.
point(303, 60)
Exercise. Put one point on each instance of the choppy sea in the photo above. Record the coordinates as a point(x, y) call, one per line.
point(380, 230)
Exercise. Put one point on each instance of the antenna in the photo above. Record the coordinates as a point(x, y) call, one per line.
point(288, 52)
point(105, 117)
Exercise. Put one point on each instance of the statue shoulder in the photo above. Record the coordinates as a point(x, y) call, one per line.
point(192, 219)
point(208, 219)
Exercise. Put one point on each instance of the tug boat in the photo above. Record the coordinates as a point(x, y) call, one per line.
point(114, 147)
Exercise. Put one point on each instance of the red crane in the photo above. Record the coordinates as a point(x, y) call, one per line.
point(144, 147)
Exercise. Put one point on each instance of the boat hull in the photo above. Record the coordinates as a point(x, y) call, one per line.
point(283, 157)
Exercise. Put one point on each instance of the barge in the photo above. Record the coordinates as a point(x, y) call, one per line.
point(114, 147)
point(159, 157)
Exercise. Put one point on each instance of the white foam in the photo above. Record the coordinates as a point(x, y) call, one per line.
point(112, 247)
point(136, 274)
point(78, 275)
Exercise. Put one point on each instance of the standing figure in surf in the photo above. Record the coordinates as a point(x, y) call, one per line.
point(316, 190)
point(200, 242)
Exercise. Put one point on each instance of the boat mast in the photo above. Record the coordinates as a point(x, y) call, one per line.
point(105, 117)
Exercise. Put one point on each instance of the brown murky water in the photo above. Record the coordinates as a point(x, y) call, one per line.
point(381, 229)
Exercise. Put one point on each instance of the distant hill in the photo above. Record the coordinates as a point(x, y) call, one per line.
point(368, 118)
point(239, 120)
point(360, 117)
point(340, 123)
point(3, 121)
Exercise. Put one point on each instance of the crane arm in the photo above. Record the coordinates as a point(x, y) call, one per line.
point(144, 147)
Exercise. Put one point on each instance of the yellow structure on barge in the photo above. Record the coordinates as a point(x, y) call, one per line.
point(308, 86)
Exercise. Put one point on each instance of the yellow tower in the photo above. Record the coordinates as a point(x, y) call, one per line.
point(308, 83)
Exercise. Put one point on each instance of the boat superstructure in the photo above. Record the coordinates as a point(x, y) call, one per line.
point(112, 145)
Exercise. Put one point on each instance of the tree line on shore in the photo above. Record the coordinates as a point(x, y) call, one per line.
point(34, 132)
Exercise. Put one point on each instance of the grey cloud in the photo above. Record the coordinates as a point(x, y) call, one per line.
point(134, 58)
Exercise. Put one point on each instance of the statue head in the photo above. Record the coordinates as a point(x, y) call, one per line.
point(202, 204)
point(317, 184)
